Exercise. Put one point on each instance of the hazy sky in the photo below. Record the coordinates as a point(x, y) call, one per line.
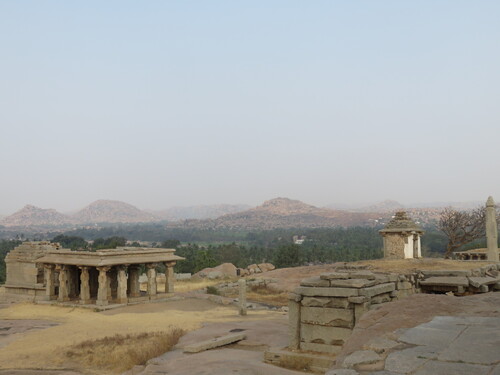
point(163, 103)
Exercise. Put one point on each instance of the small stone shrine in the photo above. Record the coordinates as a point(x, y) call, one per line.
point(402, 237)
point(44, 271)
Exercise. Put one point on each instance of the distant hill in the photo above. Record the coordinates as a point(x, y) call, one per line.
point(109, 211)
point(199, 212)
point(284, 213)
point(30, 215)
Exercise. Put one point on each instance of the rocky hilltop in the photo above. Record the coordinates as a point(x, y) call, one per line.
point(109, 211)
point(31, 215)
point(199, 212)
point(284, 213)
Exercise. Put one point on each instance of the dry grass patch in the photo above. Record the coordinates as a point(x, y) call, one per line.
point(264, 294)
point(119, 353)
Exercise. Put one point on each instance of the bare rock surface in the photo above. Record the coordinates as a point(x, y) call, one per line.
point(244, 357)
point(431, 334)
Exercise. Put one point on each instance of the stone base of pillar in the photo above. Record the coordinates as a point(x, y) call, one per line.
point(48, 298)
point(154, 296)
point(85, 302)
point(122, 300)
point(101, 303)
point(65, 299)
point(133, 295)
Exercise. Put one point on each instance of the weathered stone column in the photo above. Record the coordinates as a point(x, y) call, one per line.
point(242, 300)
point(133, 280)
point(102, 292)
point(294, 321)
point(63, 283)
point(151, 279)
point(169, 277)
point(84, 285)
point(121, 294)
point(50, 288)
point(491, 230)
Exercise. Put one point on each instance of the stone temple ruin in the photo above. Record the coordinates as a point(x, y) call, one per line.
point(402, 238)
point(44, 271)
point(324, 310)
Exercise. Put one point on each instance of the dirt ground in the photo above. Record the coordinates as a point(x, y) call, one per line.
point(30, 348)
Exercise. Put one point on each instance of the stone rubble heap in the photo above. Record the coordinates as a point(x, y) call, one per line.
point(479, 280)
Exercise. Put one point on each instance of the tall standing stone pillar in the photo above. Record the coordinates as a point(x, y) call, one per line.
point(242, 300)
point(102, 292)
point(63, 283)
point(294, 321)
point(121, 294)
point(169, 277)
point(133, 281)
point(491, 230)
point(50, 288)
point(84, 285)
point(152, 290)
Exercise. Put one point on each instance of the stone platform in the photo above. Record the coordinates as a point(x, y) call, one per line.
point(444, 346)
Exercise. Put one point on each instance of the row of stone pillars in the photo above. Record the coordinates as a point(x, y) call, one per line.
point(126, 283)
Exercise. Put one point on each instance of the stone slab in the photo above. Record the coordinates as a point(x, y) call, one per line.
point(404, 285)
point(327, 317)
point(431, 336)
point(451, 368)
point(477, 282)
point(362, 275)
point(339, 302)
point(358, 299)
point(326, 292)
point(484, 338)
point(403, 362)
point(214, 343)
point(324, 335)
point(320, 348)
point(433, 273)
point(446, 281)
point(334, 275)
point(353, 283)
point(315, 281)
point(361, 357)
point(377, 289)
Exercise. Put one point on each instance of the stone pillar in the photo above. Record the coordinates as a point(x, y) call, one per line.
point(102, 292)
point(121, 294)
point(491, 230)
point(133, 280)
point(50, 288)
point(63, 283)
point(151, 272)
point(294, 321)
point(84, 285)
point(169, 277)
point(242, 301)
